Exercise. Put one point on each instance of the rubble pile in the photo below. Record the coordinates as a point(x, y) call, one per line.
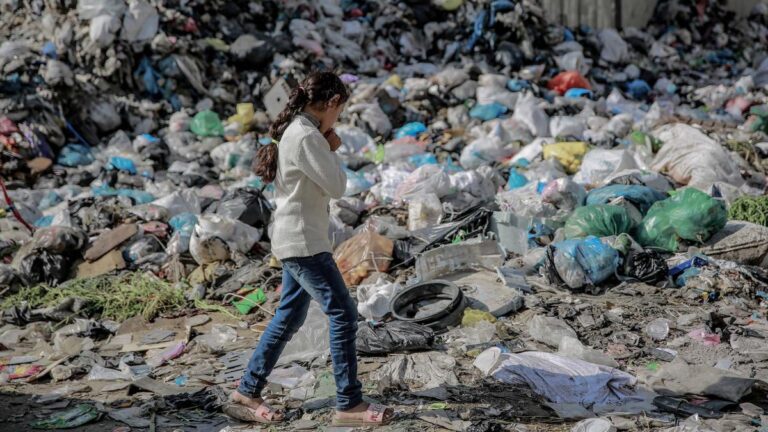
point(541, 224)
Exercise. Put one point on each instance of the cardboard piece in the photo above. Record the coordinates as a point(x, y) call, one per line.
point(109, 262)
point(109, 240)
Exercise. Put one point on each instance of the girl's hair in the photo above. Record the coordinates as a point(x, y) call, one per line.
point(317, 88)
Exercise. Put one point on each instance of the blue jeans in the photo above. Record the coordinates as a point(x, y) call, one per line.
point(315, 277)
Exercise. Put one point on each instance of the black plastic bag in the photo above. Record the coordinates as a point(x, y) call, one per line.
point(393, 336)
point(246, 205)
point(44, 266)
point(647, 266)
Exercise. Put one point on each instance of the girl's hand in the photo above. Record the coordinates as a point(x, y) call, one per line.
point(333, 140)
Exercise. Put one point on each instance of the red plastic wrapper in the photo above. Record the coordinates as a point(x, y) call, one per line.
point(567, 80)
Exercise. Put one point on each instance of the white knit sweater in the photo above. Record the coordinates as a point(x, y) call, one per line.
point(309, 174)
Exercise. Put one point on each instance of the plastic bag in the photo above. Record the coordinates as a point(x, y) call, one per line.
point(354, 140)
point(567, 80)
point(598, 220)
point(424, 211)
point(692, 158)
point(410, 129)
point(529, 113)
point(44, 266)
point(599, 164)
point(373, 300)
point(564, 193)
point(393, 336)
point(141, 247)
point(582, 262)
point(689, 215)
point(569, 154)
point(426, 179)
point(182, 201)
point(549, 330)
point(206, 123)
point(647, 266)
point(565, 126)
point(89, 9)
point(245, 205)
point(140, 22)
point(487, 112)
point(367, 251)
point(183, 222)
point(356, 183)
point(614, 48)
point(311, 341)
point(641, 197)
point(73, 155)
point(59, 240)
point(243, 117)
point(215, 237)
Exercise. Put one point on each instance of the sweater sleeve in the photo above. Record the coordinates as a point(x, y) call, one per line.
point(316, 160)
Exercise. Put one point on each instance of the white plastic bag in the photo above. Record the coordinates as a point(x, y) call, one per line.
point(373, 300)
point(211, 229)
point(424, 211)
point(692, 158)
point(89, 9)
point(140, 22)
point(426, 179)
point(615, 49)
point(528, 112)
point(566, 126)
point(103, 30)
point(598, 164)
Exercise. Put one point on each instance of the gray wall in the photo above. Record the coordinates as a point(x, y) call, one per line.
point(603, 13)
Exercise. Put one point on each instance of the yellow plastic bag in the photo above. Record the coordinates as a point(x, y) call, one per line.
point(244, 117)
point(569, 154)
point(394, 81)
point(474, 316)
point(364, 253)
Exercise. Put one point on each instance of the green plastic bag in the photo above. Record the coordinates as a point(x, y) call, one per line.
point(80, 415)
point(250, 301)
point(598, 220)
point(689, 215)
point(207, 123)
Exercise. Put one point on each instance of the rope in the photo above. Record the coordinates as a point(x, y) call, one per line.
point(15, 212)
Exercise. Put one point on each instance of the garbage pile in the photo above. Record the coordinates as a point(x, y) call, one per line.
point(540, 223)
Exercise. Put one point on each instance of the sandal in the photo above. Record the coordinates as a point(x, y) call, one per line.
point(263, 414)
point(375, 415)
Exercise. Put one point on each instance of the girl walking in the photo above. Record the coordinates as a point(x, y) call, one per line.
point(307, 173)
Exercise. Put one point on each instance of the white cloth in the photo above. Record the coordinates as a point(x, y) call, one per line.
point(309, 174)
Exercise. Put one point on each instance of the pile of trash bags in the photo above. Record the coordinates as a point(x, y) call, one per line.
point(478, 135)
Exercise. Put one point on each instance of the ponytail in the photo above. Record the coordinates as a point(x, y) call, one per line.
point(319, 87)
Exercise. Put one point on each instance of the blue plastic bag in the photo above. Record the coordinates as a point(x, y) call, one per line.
point(44, 221)
point(122, 164)
point(517, 85)
point(586, 261)
point(49, 200)
point(148, 76)
point(410, 129)
point(49, 50)
point(356, 183)
point(516, 180)
point(575, 93)
point(487, 112)
point(73, 155)
point(422, 159)
point(638, 89)
point(640, 196)
point(184, 222)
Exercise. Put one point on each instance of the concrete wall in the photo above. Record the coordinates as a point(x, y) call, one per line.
point(603, 13)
